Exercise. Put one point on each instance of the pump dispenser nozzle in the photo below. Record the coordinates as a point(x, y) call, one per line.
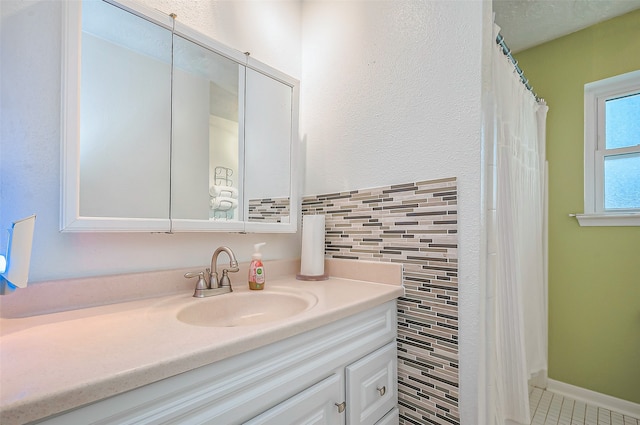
point(256, 251)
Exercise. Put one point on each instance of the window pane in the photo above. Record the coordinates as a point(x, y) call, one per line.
point(622, 181)
point(622, 124)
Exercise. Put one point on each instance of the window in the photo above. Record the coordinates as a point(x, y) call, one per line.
point(612, 152)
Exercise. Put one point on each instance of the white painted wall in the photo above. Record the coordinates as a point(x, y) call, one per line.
point(391, 93)
point(30, 61)
point(268, 29)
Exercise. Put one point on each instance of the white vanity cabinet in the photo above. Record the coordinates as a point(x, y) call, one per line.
point(316, 405)
point(302, 379)
point(367, 394)
point(372, 386)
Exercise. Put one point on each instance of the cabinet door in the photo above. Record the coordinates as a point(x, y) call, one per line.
point(317, 405)
point(116, 119)
point(372, 386)
point(391, 418)
point(270, 130)
point(206, 143)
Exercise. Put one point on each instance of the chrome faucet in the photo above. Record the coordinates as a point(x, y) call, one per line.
point(213, 271)
point(215, 286)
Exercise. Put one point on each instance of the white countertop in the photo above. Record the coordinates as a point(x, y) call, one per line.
point(54, 362)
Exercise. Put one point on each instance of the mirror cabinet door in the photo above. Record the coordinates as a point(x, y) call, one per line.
point(268, 136)
point(207, 132)
point(125, 116)
point(117, 120)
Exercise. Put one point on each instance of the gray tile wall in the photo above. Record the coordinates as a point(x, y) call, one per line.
point(414, 224)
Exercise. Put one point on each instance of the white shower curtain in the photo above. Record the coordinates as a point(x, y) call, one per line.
point(517, 290)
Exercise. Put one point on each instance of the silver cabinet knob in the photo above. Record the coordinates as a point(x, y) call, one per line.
point(341, 406)
point(382, 390)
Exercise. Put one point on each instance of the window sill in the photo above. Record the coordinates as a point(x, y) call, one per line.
point(590, 220)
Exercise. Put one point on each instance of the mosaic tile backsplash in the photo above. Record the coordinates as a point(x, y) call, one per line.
point(269, 210)
point(414, 224)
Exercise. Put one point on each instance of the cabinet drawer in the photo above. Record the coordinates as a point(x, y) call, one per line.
point(316, 405)
point(372, 386)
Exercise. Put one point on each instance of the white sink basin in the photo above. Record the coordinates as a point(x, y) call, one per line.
point(246, 308)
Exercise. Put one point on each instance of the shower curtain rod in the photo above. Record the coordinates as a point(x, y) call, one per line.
point(507, 52)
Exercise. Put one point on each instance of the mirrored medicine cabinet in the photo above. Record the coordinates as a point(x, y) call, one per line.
point(167, 130)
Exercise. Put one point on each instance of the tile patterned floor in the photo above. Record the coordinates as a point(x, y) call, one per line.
point(548, 408)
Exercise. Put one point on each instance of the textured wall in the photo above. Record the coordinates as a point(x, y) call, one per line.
point(594, 272)
point(391, 93)
point(269, 30)
point(414, 224)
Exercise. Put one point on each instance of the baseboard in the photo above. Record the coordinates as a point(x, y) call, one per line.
point(540, 379)
point(601, 400)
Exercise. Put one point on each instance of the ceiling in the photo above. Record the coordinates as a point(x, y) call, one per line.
point(527, 23)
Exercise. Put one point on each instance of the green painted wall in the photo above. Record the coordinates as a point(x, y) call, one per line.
point(594, 272)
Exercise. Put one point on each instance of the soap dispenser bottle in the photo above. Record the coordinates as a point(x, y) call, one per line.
point(256, 269)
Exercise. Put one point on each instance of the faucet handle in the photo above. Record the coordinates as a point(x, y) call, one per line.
point(202, 283)
point(224, 280)
point(189, 275)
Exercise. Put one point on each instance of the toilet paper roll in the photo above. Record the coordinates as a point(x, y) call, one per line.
point(312, 256)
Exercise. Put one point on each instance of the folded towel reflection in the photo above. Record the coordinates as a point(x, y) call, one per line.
point(221, 203)
point(224, 191)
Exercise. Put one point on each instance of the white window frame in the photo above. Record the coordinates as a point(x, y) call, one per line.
point(595, 95)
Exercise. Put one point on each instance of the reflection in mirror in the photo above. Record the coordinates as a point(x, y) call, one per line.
point(268, 121)
point(125, 114)
point(207, 166)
